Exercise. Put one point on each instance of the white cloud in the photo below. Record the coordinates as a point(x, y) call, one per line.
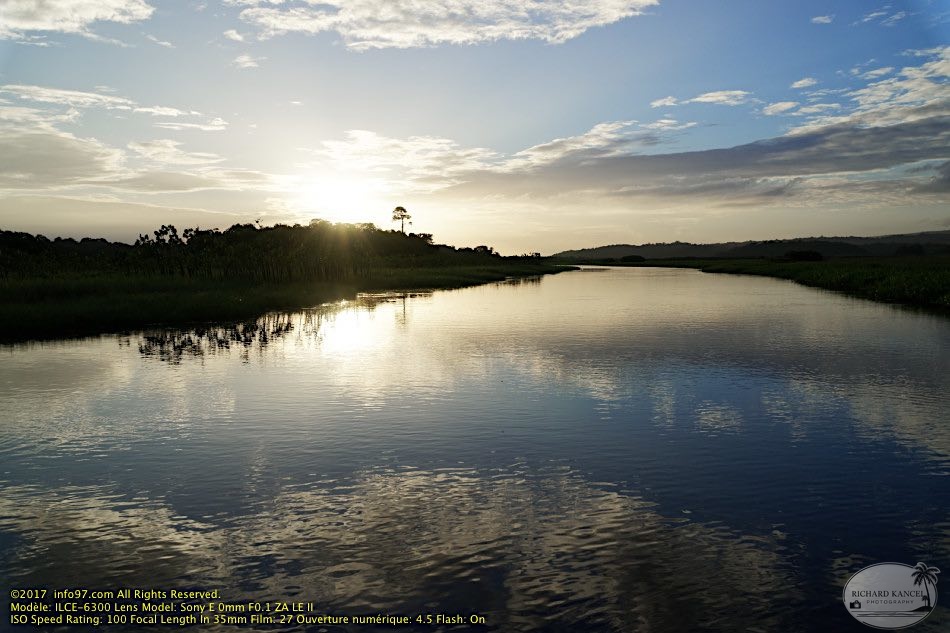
point(168, 152)
point(894, 19)
point(913, 93)
point(152, 38)
point(722, 97)
point(162, 111)
point(75, 98)
point(668, 125)
point(823, 19)
point(231, 34)
point(246, 61)
point(817, 108)
point(873, 16)
point(879, 72)
point(368, 24)
point(665, 101)
point(779, 108)
point(214, 125)
point(67, 16)
point(804, 83)
point(881, 17)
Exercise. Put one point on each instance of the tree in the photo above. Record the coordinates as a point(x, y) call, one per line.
point(926, 576)
point(401, 215)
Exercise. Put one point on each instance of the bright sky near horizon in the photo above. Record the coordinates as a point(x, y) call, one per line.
point(528, 125)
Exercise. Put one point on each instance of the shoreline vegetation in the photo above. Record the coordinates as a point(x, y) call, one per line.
point(921, 281)
point(63, 288)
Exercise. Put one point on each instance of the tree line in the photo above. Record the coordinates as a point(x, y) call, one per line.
point(321, 251)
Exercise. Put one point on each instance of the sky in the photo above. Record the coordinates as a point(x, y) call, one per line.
point(526, 125)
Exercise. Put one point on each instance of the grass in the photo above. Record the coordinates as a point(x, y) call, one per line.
point(43, 308)
point(915, 281)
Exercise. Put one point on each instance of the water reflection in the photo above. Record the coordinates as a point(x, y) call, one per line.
point(616, 450)
point(171, 345)
point(525, 549)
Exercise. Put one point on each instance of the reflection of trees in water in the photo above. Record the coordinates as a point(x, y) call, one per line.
point(172, 345)
point(528, 550)
point(533, 280)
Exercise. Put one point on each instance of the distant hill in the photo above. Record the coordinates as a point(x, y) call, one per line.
point(931, 242)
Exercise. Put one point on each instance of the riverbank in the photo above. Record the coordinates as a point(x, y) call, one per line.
point(914, 281)
point(63, 307)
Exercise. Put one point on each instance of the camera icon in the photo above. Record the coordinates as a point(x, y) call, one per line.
point(855, 605)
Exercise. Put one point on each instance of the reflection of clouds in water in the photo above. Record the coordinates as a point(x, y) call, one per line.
point(521, 548)
point(879, 405)
point(83, 397)
point(715, 417)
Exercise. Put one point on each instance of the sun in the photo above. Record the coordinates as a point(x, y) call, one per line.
point(342, 198)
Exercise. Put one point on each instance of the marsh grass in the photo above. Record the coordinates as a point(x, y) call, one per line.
point(916, 281)
point(64, 306)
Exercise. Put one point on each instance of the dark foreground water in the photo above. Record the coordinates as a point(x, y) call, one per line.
point(614, 450)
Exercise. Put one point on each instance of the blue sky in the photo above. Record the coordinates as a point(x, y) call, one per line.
point(524, 124)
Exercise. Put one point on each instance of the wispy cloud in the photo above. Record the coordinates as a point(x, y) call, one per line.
point(169, 152)
point(877, 73)
point(216, 124)
point(883, 16)
point(722, 97)
point(719, 97)
point(779, 107)
point(20, 17)
point(246, 61)
point(81, 100)
point(665, 101)
point(823, 19)
point(233, 35)
point(74, 98)
point(368, 24)
point(152, 38)
point(804, 83)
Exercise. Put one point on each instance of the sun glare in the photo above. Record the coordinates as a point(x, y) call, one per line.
point(341, 198)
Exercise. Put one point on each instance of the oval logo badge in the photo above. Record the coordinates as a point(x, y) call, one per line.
point(891, 595)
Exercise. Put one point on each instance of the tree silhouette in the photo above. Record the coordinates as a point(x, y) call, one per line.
point(926, 576)
point(401, 215)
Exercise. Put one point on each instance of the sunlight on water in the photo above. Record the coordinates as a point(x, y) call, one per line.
point(614, 449)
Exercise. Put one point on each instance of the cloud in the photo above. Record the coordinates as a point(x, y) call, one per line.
point(67, 16)
point(913, 93)
point(817, 108)
point(877, 73)
point(369, 24)
point(882, 17)
point(214, 125)
point(823, 19)
point(894, 19)
point(246, 61)
point(80, 99)
point(46, 158)
point(75, 98)
point(162, 181)
point(231, 34)
point(168, 152)
point(722, 97)
point(780, 107)
point(152, 38)
point(665, 101)
point(804, 83)
point(874, 15)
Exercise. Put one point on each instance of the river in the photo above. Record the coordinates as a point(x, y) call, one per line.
point(617, 449)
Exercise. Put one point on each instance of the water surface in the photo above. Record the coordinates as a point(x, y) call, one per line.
point(604, 450)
